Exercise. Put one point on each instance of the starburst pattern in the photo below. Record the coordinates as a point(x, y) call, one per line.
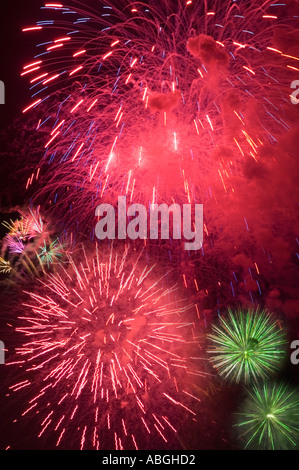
point(115, 353)
point(270, 417)
point(247, 345)
point(5, 266)
point(52, 253)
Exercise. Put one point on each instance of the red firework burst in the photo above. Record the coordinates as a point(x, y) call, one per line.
point(156, 100)
point(114, 353)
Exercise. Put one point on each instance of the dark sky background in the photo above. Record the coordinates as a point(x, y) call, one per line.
point(16, 50)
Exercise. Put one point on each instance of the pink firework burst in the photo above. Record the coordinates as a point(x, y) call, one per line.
point(110, 354)
point(158, 100)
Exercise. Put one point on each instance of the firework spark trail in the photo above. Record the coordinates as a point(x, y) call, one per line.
point(155, 101)
point(112, 353)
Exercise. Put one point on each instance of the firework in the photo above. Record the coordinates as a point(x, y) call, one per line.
point(52, 253)
point(115, 353)
point(270, 418)
point(247, 345)
point(5, 267)
point(155, 100)
point(29, 245)
point(15, 245)
point(28, 226)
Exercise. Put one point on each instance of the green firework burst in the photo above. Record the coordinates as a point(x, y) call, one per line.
point(270, 418)
point(51, 253)
point(247, 345)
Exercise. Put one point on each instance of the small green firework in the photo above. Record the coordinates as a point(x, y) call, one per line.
point(247, 345)
point(270, 418)
point(51, 253)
